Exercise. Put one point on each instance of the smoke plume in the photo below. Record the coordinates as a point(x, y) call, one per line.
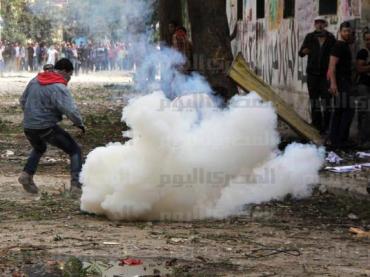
point(188, 158)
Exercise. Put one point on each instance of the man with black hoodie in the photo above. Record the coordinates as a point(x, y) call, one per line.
point(44, 102)
point(317, 46)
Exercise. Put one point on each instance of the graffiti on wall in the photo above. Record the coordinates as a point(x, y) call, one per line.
point(306, 10)
point(247, 11)
point(271, 45)
point(274, 56)
point(275, 8)
point(351, 8)
point(281, 55)
point(232, 11)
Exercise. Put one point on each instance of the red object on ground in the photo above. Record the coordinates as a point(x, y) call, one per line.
point(131, 262)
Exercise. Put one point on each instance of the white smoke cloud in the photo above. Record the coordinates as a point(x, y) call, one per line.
point(293, 172)
point(189, 159)
point(193, 162)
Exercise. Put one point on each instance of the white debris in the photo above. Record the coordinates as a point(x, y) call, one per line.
point(110, 243)
point(363, 155)
point(344, 169)
point(7, 154)
point(352, 216)
point(333, 158)
point(348, 168)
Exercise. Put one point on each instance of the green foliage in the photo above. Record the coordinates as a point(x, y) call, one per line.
point(20, 24)
point(73, 268)
point(110, 19)
point(98, 20)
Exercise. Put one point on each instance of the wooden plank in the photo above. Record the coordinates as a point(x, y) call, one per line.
point(249, 81)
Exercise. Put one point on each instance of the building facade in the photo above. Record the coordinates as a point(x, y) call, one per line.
point(270, 33)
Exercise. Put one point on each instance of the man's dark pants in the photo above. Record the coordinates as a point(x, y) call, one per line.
point(59, 138)
point(320, 99)
point(30, 63)
point(344, 111)
point(364, 112)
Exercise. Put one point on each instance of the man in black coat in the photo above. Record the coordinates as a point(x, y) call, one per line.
point(30, 53)
point(317, 46)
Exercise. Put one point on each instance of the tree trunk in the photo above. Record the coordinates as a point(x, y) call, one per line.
point(169, 10)
point(212, 44)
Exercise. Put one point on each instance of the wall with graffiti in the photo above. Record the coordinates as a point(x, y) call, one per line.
point(271, 44)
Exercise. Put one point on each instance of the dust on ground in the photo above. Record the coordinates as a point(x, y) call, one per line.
point(283, 238)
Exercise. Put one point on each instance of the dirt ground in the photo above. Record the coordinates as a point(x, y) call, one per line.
point(39, 235)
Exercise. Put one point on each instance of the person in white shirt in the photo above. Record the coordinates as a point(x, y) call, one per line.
point(2, 64)
point(17, 57)
point(22, 54)
point(35, 63)
point(52, 55)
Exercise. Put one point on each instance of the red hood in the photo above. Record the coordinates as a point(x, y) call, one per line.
point(49, 78)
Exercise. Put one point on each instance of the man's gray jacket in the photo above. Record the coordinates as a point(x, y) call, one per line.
point(45, 101)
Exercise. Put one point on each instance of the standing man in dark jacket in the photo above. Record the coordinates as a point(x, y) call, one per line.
point(317, 46)
point(44, 102)
point(340, 77)
point(30, 54)
point(7, 55)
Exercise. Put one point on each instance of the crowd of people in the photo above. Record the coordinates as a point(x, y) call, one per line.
point(85, 57)
point(335, 90)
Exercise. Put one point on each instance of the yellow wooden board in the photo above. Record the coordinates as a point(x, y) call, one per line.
point(249, 81)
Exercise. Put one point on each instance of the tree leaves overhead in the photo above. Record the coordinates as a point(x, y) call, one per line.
point(109, 19)
point(39, 20)
point(20, 24)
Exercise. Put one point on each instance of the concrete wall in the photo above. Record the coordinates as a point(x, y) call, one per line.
point(270, 45)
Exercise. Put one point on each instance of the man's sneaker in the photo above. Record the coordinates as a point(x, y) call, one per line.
point(76, 188)
point(26, 180)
